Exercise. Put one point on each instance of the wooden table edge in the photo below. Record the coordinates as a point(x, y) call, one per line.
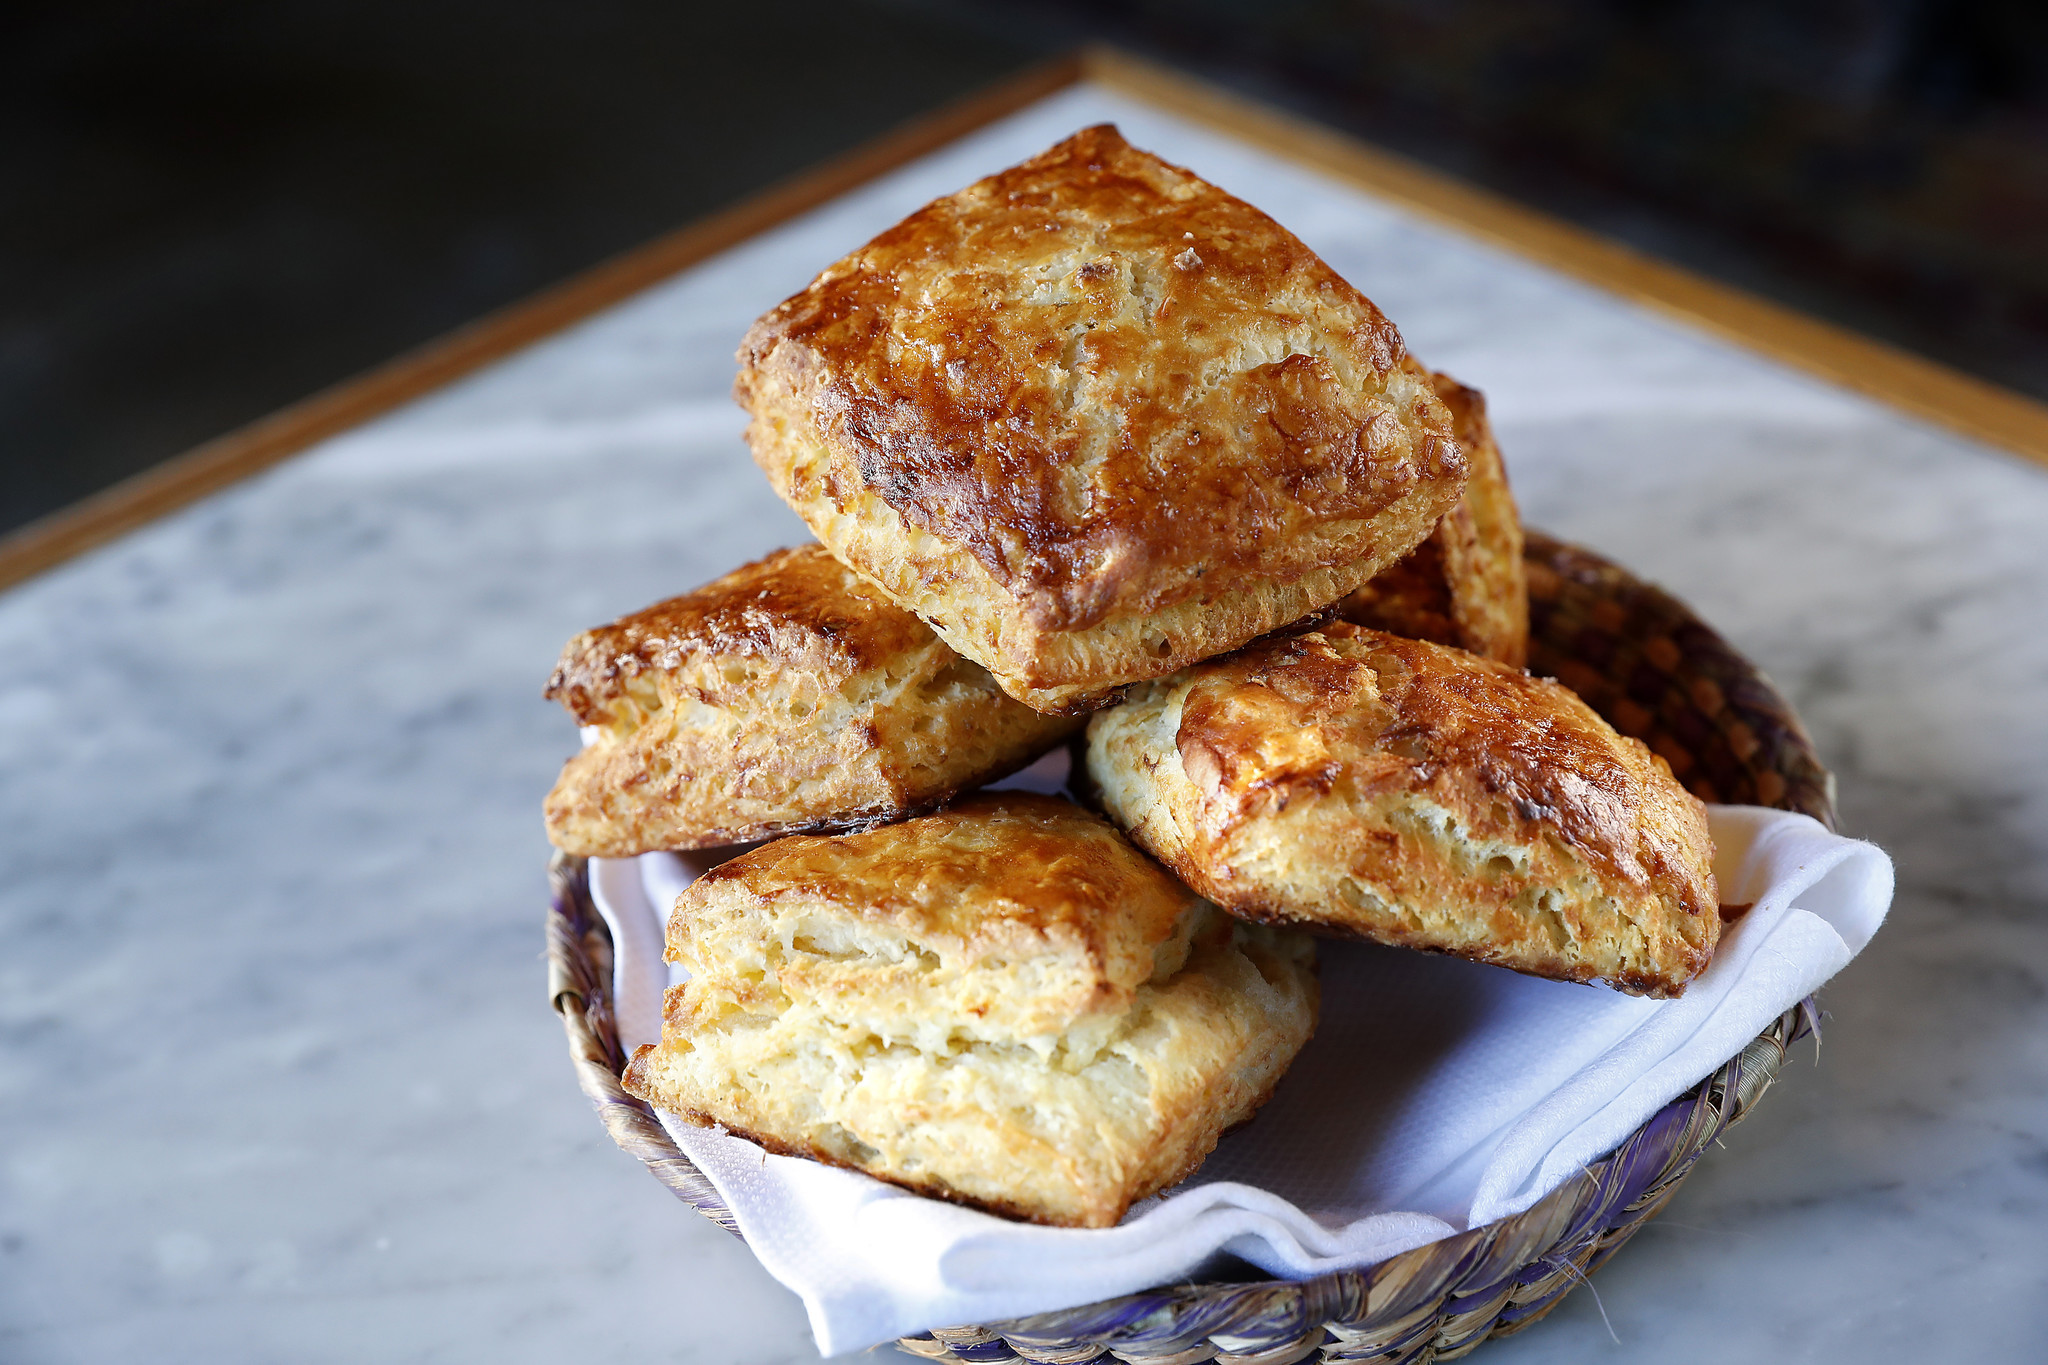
point(1922, 388)
point(1973, 407)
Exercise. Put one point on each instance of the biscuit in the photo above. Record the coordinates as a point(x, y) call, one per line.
point(1094, 420)
point(787, 695)
point(1003, 1004)
point(1370, 785)
point(1465, 585)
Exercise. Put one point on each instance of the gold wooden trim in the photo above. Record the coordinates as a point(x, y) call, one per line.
point(1982, 411)
point(135, 501)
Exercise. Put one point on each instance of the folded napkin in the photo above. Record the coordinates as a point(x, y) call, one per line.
point(1437, 1095)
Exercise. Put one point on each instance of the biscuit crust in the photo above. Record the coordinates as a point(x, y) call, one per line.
point(787, 695)
point(1094, 419)
point(1466, 584)
point(1003, 1004)
point(1372, 785)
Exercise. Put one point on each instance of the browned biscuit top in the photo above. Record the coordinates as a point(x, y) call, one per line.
point(1384, 713)
point(1106, 379)
point(999, 877)
point(798, 607)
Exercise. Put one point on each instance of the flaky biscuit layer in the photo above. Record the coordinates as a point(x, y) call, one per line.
point(1003, 1004)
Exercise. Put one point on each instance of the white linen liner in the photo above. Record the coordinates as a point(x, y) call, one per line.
point(1437, 1095)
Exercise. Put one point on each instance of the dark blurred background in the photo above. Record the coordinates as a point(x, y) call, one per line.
point(209, 208)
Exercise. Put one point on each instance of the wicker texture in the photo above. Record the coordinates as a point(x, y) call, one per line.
point(1657, 672)
point(1644, 661)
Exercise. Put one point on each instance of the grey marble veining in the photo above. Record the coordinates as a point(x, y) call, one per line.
point(277, 1080)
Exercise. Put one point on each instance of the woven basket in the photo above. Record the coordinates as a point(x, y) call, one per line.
point(1645, 662)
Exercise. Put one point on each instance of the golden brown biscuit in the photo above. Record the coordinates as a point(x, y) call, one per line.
point(1004, 1004)
point(1094, 420)
point(787, 695)
point(1465, 585)
point(1387, 788)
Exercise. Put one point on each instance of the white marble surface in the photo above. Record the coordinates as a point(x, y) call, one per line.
point(277, 1080)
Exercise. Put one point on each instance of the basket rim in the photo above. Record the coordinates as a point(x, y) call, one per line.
point(1451, 1294)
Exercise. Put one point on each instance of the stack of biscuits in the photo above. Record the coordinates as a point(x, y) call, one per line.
point(1098, 456)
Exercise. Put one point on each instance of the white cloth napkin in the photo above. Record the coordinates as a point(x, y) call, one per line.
point(1437, 1095)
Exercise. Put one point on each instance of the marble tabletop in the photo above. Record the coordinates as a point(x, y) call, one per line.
point(278, 1080)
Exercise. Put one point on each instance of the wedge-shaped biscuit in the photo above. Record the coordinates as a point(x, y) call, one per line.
point(787, 695)
point(1372, 785)
point(1095, 420)
point(1003, 1004)
point(1465, 585)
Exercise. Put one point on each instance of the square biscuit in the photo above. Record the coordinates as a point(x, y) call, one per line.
point(789, 695)
point(1004, 1004)
point(1368, 785)
point(1094, 420)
